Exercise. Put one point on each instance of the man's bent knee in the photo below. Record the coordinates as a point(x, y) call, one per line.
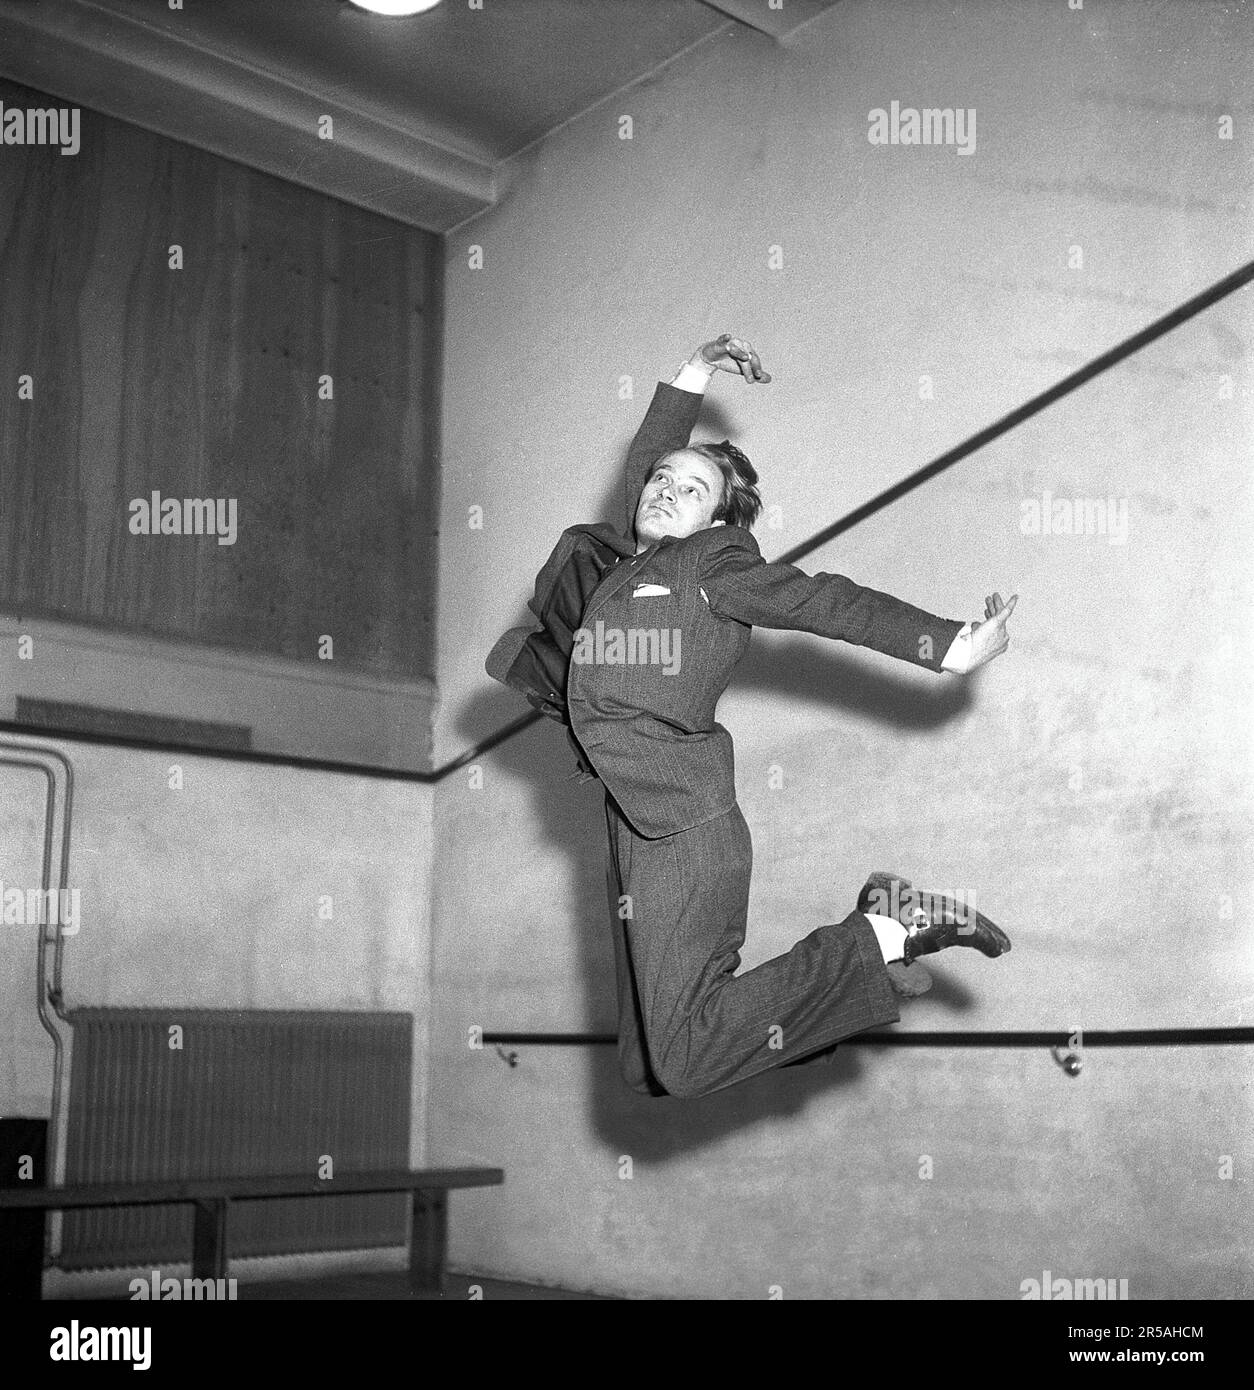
point(684, 1083)
point(640, 1079)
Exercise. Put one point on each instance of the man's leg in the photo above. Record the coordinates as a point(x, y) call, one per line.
point(633, 1057)
point(706, 1027)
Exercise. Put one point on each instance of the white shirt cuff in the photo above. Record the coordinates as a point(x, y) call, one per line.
point(956, 657)
point(694, 379)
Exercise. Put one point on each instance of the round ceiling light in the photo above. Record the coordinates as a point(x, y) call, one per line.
point(395, 7)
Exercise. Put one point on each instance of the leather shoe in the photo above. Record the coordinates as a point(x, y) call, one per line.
point(932, 920)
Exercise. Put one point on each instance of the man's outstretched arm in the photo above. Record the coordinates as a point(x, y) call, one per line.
point(672, 414)
point(741, 585)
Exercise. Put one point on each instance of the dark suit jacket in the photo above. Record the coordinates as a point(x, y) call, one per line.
point(648, 728)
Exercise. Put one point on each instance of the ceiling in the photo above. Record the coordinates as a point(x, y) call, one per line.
point(425, 108)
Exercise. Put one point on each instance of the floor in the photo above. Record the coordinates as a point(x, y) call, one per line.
point(394, 1287)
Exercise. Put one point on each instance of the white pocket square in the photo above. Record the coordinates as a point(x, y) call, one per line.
point(649, 590)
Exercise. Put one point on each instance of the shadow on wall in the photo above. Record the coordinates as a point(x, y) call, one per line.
point(657, 1130)
point(569, 818)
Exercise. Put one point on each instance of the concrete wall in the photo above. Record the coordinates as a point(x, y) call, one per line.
point(208, 896)
point(293, 708)
point(1093, 785)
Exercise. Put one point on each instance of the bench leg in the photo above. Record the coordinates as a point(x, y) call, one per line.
point(209, 1239)
point(428, 1240)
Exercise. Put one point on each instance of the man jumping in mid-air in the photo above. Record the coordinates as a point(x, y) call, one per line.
point(638, 635)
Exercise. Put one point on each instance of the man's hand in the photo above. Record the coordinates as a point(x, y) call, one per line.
point(728, 354)
point(985, 640)
point(990, 638)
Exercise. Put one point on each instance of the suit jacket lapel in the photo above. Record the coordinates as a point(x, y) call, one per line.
point(614, 581)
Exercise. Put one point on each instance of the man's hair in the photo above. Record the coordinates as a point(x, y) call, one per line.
point(741, 503)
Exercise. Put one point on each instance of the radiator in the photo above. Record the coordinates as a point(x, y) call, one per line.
point(246, 1093)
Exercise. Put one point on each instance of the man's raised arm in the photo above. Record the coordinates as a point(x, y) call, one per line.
point(672, 414)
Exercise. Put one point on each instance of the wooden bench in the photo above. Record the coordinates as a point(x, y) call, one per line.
point(211, 1198)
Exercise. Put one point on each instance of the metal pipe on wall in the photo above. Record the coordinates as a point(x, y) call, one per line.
point(14, 753)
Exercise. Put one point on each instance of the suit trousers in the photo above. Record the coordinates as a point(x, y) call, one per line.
point(688, 1024)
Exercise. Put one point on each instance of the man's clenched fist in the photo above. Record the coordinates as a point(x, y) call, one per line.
point(730, 354)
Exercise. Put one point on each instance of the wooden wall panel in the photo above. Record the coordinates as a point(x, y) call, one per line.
point(203, 382)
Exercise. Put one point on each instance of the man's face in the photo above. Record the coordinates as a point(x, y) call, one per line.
point(680, 498)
